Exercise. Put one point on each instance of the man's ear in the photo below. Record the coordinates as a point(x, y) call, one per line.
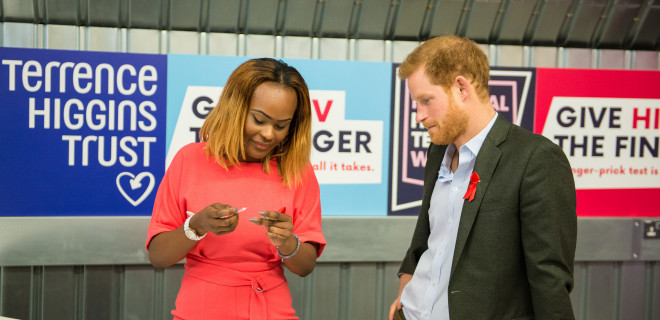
point(462, 88)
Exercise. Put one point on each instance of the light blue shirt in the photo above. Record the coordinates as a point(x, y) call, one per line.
point(426, 296)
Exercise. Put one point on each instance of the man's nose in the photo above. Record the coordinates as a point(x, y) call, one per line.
point(420, 116)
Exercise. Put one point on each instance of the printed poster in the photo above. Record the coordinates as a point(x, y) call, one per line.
point(512, 96)
point(83, 132)
point(350, 122)
point(608, 124)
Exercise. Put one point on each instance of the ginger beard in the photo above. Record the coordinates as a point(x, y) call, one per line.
point(451, 126)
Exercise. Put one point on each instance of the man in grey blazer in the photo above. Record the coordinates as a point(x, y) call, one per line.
point(496, 233)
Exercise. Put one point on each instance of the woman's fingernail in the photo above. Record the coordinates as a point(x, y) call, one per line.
point(262, 213)
point(254, 220)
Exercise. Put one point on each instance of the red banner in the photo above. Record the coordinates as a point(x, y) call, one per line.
point(608, 124)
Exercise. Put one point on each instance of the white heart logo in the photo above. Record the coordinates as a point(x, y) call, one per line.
point(136, 182)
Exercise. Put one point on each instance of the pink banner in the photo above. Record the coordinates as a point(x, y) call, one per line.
point(608, 124)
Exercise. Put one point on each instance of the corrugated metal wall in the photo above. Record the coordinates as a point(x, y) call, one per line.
point(346, 284)
point(352, 290)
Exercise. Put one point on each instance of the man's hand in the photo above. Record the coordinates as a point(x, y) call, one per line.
point(396, 305)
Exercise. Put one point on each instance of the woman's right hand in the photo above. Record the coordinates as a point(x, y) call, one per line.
point(170, 247)
point(217, 218)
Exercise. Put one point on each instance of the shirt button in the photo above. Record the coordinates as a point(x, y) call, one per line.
point(454, 189)
point(433, 282)
point(426, 312)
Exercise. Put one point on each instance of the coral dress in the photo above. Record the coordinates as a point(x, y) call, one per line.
point(238, 275)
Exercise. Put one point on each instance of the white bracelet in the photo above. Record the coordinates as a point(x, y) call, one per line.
point(190, 232)
point(294, 251)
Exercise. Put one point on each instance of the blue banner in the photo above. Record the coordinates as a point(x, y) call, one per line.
point(83, 133)
point(350, 122)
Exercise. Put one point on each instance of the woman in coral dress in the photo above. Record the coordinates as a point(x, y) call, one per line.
point(244, 201)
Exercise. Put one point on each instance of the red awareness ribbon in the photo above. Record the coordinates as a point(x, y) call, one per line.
point(472, 188)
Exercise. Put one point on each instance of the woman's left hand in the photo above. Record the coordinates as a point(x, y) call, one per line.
point(278, 227)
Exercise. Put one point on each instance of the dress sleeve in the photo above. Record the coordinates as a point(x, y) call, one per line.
point(167, 212)
point(307, 211)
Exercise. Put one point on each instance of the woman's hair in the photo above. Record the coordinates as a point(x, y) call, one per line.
point(446, 57)
point(223, 128)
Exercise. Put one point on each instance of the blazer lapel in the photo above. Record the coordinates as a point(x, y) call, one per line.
point(487, 159)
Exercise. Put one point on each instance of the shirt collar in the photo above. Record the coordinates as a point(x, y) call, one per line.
point(474, 145)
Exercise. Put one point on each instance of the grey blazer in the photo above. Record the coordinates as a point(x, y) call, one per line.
point(516, 240)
